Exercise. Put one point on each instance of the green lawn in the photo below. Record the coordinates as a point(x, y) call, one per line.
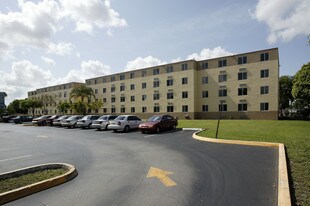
point(294, 134)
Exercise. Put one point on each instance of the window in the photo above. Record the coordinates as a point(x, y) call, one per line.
point(205, 108)
point(96, 91)
point(104, 90)
point(65, 93)
point(155, 71)
point(122, 98)
point(222, 77)
point(113, 89)
point(143, 97)
point(144, 109)
point(170, 95)
point(113, 110)
point(242, 107)
point(122, 88)
point(169, 108)
point(264, 106)
point(112, 99)
point(143, 73)
point(205, 65)
point(242, 91)
point(156, 83)
point(112, 78)
point(184, 94)
point(122, 77)
point(222, 63)
point(104, 100)
point(264, 56)
point(205, 94)
point(264, 73)
point(132, 75)
point(184, 108)
point(143, 85)
point(204, 80)
point(184, 67)
point(123, 110)
point(133, 109)
point(104, 80)
point(264, 90)
point(156, 96)
point(242, 75)
point(132, 98)
point(132, 87)
point(242, 60)
point(223, 107)
point(156, 109)
point(184, 80)
point(169, 82)
point(223, 93)
point(104, 110)
point(169, 69)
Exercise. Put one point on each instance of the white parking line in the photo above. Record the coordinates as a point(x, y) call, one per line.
point(42, 136)
point(15, 158)
point(152, 135)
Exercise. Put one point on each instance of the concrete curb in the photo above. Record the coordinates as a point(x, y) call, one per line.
point(39, 186)
point(284, 198)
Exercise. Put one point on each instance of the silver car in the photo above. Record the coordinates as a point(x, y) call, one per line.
point(57, 122)
point(103, 122)
point(124, 123)
point(87, 121)
point(71, 121)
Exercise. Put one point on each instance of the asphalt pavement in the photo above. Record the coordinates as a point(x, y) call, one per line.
point(170, 168)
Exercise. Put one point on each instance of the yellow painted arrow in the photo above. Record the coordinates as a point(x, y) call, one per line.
point(162, 175)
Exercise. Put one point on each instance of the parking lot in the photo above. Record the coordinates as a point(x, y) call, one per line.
point(170, 168)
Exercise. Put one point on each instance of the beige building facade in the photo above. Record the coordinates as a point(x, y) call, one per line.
point(243, 86)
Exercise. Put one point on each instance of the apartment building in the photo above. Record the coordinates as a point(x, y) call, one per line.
point(53, 95)
point(242, 86)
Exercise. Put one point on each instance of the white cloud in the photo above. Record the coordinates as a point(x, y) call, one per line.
point(141, 62)
point(285, 18)
point(61, 48)
point(48, 61)
point(207, 53)
point(91, 13)
point(89, 69)
point(6, 51)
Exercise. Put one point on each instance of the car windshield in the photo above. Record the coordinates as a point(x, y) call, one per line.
point(72, 118)
point(120, 118)
point(42, 117)
point(154, 119)
point(103, 118)
point(86, 117)
point(62, 117)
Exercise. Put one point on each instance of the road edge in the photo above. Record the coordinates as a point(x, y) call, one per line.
point(39, 186)
point(284, 197)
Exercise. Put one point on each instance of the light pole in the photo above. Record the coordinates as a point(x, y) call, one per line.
point(218, 121)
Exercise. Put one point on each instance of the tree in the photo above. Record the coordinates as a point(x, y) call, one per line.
point(79, 107)
point(301, 85)
point(96, 105)
point(83, 93)
point(31, 104)
point(63, 106)
point(285, 90)
point(15, 108)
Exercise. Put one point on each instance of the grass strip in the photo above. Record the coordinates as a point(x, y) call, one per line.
point(28, 179)
point(294, 134)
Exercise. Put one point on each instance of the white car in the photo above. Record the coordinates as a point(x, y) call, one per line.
point(87, 121)
point(125, 123)
point(103, 122)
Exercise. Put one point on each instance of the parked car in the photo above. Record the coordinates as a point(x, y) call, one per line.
point(103, 122)
point(57, 122)
point(7, 119)
point(50, 120)
point(71, 121)
point(21, 119)
point(158, 123)
point(87, 121)
point(124, 123)
point(41, 120)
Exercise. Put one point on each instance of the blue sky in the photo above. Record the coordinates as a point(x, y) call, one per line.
point(47, 42)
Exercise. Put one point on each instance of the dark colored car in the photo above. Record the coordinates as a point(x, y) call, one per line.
point(50, 120)
point(21, 119)
point(7, 119)
point(41, 120)
point(158, 123)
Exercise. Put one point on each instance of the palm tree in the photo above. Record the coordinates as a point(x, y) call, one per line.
point(82, 92)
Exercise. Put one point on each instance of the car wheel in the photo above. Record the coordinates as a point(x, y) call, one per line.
point(143, 132)
point(158, 130)
point(174, 127)
point(75, 125)
point(89, 126)
point(106, 127)
point(44, 123)
point(126, 129)
point(114, 130)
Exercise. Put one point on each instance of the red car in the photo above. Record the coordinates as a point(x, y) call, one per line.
point(158, 123)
